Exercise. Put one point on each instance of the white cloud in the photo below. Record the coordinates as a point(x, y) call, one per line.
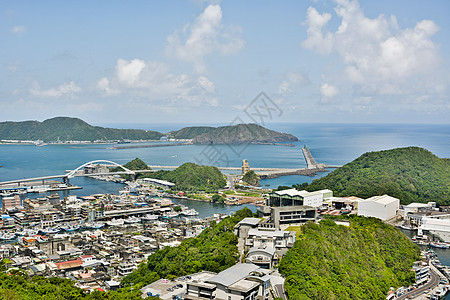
point(128, 72)
point(206, 84)
point(65, 89)
point(206, 35)
point(328, 90)
point(19, 30)
point(153, 81)
point(292, 80)
point(379, 57)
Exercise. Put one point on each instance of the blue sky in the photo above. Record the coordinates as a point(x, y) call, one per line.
point(111, 62)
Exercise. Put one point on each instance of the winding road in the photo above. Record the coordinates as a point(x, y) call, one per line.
point(434, 281)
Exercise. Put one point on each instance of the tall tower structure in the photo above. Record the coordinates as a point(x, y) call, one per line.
point(245, 167)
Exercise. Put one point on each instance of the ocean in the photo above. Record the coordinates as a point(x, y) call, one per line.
point(333, 144)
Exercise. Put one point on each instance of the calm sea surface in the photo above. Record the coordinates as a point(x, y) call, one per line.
point(330, 144)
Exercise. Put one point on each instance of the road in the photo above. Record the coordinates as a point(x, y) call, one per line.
point(279, 291)
point(434, 280)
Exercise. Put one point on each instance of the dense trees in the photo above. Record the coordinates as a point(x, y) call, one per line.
point(411, 174)
point(192, 177)
point(20, 286)
point(362, 261)
point(251, 178)
point(64, 129)
point(215, 249)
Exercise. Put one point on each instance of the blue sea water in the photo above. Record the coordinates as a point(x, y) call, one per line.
point(333, 144)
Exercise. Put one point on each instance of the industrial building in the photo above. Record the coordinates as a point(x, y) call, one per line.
point(382, 207)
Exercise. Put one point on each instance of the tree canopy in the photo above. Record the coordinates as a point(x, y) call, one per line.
point(410, 174)
point(215, 250)
point(330, 261)
point(192, 177)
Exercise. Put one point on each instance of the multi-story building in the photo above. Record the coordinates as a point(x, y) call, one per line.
point(10, 202)
point(292, 197)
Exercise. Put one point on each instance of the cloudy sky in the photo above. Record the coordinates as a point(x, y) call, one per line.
point(111, 62)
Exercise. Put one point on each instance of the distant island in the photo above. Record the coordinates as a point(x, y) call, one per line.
point(241, 133)
point(410, 174)
point(64, 129)
point(70, 129)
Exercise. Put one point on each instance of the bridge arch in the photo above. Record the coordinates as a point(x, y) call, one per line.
point(72, 173)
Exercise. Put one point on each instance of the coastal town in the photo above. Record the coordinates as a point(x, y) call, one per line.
point(97, 240)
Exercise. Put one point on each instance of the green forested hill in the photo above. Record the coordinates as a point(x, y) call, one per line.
point(192, 177)
point(410, 174)
point(363, 261)
point(241, 133)
point(215, 250)
point(190, 132)
point(69, 129)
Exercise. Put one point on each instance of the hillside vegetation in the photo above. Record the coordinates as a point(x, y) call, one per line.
point(17, 285)
point(73, 129)
point(215, 250)
point(363, 261)
point(190, 132)
point(192, 177)
point(69, 129)
point(410, 174)
point(251, 178)
point(242, 133)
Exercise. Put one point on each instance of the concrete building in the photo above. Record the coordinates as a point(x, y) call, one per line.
point(263, 256)
point(292, 215)
point(293, 197)
point(280, 240)
point(241, 282)
point(438, 225)
point(382, 207)
point(242, 228)
point(10, 202)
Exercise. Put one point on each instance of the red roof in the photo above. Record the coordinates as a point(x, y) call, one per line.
point(69, 264)
point(100, 289)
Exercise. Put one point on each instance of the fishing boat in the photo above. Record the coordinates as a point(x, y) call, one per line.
point(95, 225)
point(49, 230)
point(406, 227)
point(439, 245)
point(190, 212)
point(70, 227)
point(170, 215)
point(115, 222)
point(150, 217)
point(6, 236)
point(132, 220)
point(26, 232)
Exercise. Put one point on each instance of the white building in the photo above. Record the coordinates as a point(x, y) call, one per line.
point(439, 225)
point(382, 207)
point(270, 237)
point(292, 197)
point(160, 183)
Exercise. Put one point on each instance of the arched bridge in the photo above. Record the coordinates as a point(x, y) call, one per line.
point(75, 173)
